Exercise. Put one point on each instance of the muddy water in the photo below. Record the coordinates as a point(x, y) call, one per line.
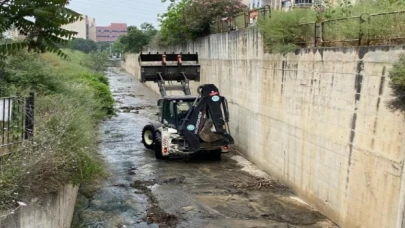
point(186, 192)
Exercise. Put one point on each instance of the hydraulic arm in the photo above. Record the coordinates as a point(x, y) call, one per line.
point(209, 110)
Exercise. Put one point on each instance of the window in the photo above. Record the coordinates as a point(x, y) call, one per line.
point(300, 3)
point(182, 109)
point(168, 113)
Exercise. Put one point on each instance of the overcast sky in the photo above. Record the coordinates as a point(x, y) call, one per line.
point(132, 12)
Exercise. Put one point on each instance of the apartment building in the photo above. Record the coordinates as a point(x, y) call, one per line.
point(85, 28)
point(281, 4)
point(112, 32)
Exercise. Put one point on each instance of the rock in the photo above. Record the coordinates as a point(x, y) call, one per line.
point(120, 185)
point(188, 208)
point(174, 180)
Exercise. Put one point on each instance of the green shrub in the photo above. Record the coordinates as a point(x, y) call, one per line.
point(397, 84)
point(103, 96)
point(96, 61)
point(98, 83)
point(70, 101)
point(281, 31)
point(65, 151)
point(96, 77)
point(27, 72)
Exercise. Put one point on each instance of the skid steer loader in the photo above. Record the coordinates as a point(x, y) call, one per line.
point(186, 124)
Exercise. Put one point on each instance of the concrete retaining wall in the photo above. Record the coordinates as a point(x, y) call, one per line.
point(55, 211)
point(316, 119)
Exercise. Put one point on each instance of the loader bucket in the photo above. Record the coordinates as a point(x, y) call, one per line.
point(169, 67)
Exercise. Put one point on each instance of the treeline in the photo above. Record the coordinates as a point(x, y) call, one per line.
point(87, 46)
point(190, 19)
point(184, 20)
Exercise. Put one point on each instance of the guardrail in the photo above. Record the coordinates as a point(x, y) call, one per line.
point(16, 121)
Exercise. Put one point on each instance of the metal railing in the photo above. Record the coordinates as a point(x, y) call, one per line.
point(16, 122)
point(367, 29)
point(385, 28)
point(240, 20)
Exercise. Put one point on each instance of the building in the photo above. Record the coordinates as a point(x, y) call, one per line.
point(85, 28)
point(112, 32)
point(254, 5)
point(281, 4)
point(246, 2)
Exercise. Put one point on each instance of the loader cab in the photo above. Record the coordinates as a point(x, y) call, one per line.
point(173, 110)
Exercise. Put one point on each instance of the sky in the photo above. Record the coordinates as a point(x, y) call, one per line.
point(132, 12)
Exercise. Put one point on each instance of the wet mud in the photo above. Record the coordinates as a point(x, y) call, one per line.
point(182, 192)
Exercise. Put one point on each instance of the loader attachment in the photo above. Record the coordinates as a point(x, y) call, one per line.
point(162, 68)
point(207, 119)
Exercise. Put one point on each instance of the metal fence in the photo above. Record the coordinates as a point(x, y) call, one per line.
point(239, 21)
point(16, 122)
point(367, 29)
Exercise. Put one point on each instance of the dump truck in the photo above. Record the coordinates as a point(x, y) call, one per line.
point(186, 124)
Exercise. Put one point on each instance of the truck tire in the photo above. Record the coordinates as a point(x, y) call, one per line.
point(148, 136)
point(215, 154)
point(158, 145)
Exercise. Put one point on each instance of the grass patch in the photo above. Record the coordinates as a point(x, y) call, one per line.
point(286, 31)
point(281, 31)
point(71, 100)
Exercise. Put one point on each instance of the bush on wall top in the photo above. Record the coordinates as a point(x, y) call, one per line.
point(397, 84)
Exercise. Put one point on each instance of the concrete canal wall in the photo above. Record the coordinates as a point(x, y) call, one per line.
point(316, 119)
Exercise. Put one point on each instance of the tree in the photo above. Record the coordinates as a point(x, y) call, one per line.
point(118, 46)
point(172, 23)
point(43, 32)
point(103, 45)
point(201, 14)
point(97, 61)
point(189, 19)
point(136, 38)
point(83, 45)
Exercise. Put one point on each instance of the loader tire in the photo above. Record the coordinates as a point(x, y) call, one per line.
point(215, 154)
point(148, 136)
point(158, 145)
